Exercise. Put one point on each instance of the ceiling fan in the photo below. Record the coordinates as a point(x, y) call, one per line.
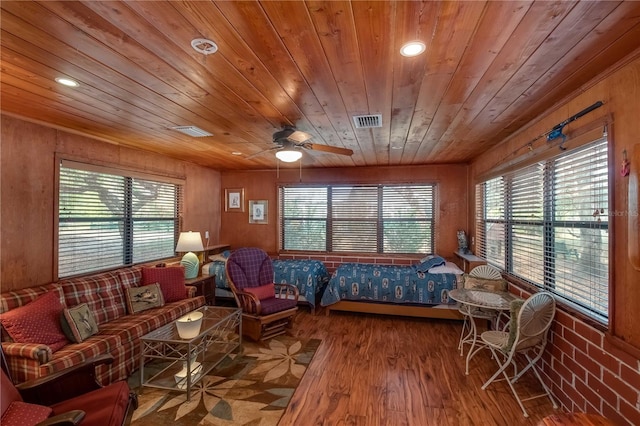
point(289, 141)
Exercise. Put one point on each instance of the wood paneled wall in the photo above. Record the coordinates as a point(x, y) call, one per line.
point(614, 370)
point(451, 210)
point(27, 211)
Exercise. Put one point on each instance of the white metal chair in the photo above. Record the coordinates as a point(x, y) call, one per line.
point(468, 334)
point(527, 336)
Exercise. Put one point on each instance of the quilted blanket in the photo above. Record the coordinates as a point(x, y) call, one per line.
point(388, 283)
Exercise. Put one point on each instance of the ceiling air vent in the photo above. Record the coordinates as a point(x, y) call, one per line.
point(367, 121)
point(194, 131)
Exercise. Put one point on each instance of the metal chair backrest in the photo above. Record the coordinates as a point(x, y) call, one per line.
point(485, 271)
point(534, 320)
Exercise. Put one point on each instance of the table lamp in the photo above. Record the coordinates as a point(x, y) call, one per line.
point(190, 242)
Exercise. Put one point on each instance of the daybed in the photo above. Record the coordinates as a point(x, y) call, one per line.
point(309, 276)
point(103, 302)
point(420, 290)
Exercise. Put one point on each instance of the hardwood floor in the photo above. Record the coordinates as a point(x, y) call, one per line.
point(377, 370)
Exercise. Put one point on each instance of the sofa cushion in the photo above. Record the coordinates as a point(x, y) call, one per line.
point(485, 283)
point(142, 298)
point(102, 293)
point(21, 413)
point(171, 280)
point(74, 353)
point(78, 323)
point(37, 322)
point(130, 277)
point(105, 407)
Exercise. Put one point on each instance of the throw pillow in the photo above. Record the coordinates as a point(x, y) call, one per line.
point(429, 262)
point(37, 322)
point(170, 279)
point(484, 283)
point(142, 298)
point(79, 323)
point(263, 292)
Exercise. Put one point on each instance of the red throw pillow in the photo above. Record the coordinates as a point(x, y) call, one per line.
point(263, 292)
point(171, 281)
point(37, 322)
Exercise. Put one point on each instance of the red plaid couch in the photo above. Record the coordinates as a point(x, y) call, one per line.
point(119, 333)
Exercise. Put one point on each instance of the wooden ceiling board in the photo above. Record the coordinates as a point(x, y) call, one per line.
point(374, 21)
point(490, 68)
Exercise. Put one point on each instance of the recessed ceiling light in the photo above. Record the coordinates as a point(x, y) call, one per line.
point(413, 48)
point(236, 153)
point(67, 82)
point(204, 46)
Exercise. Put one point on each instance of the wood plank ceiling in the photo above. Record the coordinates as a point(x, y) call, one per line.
point(489, 68)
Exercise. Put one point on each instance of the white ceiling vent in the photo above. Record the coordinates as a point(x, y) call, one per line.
point(194, 131)
point(367, 121)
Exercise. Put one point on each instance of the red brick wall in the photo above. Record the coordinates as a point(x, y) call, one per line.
point(587, 374)
point(332, 261)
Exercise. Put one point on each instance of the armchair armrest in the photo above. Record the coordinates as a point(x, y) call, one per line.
point(69, 418)
point(65, 384)
point(191, 291)
point(41, 353)
point(249, 302)
point(287, 291)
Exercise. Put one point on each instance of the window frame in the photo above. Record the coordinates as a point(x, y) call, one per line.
point(331, 220)
point(128, 217)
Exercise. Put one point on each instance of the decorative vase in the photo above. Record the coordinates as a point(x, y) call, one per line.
point(189, 325)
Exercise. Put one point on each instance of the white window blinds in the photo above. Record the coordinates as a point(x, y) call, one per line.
point(107, 220)
point(548, 224)
point(358, 218)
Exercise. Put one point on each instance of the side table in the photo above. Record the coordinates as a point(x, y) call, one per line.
point(469, 261)
point(206, 285)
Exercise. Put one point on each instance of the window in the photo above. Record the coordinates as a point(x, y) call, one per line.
point(548, 224)
point(107, 220)
point(358, 218)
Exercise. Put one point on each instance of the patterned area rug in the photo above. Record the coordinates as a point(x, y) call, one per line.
point(252, 388)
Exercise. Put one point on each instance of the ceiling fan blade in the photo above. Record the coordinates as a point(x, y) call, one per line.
point(249, 157)
point(299, 136)
point(327, 148)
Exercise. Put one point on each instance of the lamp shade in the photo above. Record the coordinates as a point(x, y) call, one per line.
point(288, 156)
point(190, 242)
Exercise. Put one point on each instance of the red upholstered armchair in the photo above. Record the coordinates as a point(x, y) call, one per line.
point(267, 308)
point(68, 397)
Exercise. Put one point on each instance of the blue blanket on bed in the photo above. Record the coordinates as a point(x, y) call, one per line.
point(388, 283)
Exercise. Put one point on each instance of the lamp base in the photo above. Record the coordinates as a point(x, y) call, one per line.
point(191, 265)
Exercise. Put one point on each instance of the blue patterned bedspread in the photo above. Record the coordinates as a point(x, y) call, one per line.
point(310, 276)
point(388, 283)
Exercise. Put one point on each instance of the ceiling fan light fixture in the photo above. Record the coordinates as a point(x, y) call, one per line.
point(288, 155)
point(413, 48)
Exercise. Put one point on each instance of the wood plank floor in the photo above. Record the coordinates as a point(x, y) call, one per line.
point(377, 370)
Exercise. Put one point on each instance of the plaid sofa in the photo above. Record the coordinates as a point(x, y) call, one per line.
point(119, 333)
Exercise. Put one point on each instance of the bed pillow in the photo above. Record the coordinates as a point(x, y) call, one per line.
point(170, 279)
point(484, 283)
point(262, 292)
point(37, 322)
point(142, 298)
point(220, 257)
point(447, 268)
point(78, 323)
point(429, 262)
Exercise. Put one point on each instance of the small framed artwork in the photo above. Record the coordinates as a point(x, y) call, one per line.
point(258, 211)
point(234, 200)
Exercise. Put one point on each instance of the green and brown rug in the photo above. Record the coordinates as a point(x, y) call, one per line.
point(253, 388)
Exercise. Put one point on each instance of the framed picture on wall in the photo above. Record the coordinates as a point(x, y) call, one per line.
point(234, 199)
point(258, 211)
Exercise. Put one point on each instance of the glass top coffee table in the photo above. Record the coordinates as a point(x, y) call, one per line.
point(190, 359)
